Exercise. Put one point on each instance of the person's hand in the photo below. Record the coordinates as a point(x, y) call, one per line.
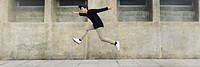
point(109, 7)
point(75, 12)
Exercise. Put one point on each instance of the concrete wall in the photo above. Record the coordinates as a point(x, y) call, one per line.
point(11, 10)
point(25, 14)
point(52, 39)
point(178, 14)
point(66, 15)
point(128, 14)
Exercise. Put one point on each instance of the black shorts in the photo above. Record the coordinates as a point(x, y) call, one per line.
point(97, 25)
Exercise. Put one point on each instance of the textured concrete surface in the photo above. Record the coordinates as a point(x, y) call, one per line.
point(52, 37)
point(66, 15)
point(177, 14)
point(128, 14)
point(103, 63)
point(24, 14)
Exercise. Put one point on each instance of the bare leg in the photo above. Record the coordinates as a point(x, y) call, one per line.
point(102, 38)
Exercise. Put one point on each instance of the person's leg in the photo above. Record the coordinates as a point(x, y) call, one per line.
point(102, 38)
point(78, 40)
point(89, 27)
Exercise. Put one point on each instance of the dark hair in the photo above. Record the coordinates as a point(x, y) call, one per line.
point(83, 5)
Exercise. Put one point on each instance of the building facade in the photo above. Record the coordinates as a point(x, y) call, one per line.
point(43, 29)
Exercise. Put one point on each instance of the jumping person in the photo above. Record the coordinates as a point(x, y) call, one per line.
point(97, 24)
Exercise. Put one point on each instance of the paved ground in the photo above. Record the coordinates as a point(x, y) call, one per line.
point(103, 63)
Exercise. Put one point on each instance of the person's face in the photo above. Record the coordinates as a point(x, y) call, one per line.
point(83, 10)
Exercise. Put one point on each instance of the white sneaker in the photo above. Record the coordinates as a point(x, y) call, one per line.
point(78, 41)
point(117, 45)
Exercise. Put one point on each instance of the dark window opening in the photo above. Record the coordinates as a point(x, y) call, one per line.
point(177, 2)
point(132, 2)
point(31, 2)
point(71, 2)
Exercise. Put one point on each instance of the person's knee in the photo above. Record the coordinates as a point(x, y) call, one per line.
point(103, 39)
point(88, 30)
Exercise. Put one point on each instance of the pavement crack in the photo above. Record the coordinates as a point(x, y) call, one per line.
point(117, 63)
point(23, 63)
point(157, 63)
point(78, 64)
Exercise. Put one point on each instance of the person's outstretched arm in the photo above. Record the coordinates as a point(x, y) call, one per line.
point(79, 13)
point(101, 10)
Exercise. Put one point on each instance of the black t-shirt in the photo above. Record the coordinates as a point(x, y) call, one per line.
point(93, 16)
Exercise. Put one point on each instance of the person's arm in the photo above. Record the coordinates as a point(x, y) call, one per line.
point(79, 13)
point(101, 10)
point(98, 10)
point(75, 12)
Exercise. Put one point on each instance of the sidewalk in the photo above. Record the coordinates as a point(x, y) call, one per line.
point(103, 63)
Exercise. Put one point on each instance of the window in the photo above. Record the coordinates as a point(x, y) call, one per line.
point(178, 10)
point(65, 7)
point(27, 10)
point(72, 3)
point(132, 3)
point(134, 10)
point(176, 3)
point(31, 3)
